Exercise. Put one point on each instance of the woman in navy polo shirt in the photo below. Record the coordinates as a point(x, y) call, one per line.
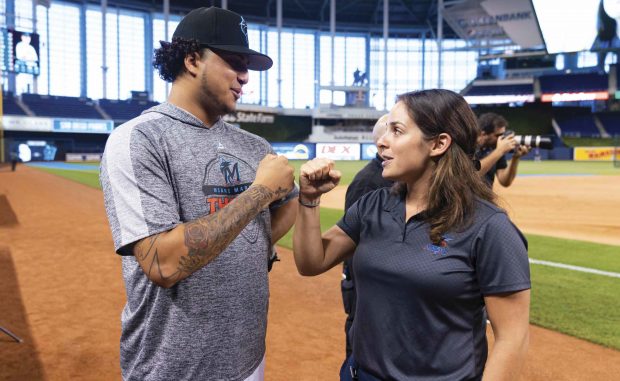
point(428, 255)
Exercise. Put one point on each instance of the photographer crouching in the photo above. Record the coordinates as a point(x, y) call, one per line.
point(493, 144)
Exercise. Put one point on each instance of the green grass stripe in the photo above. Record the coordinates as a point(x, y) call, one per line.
point(578, 304)
point(90, 178)
point(577, 253)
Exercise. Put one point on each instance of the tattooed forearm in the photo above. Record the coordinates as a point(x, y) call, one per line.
point(207, 237)
point(147, 255)
point(204, 239)
point(145, 247)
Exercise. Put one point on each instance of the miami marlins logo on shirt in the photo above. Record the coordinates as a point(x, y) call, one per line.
point(244, 29)
point(441, 249)
point(225, 178)
point(230, 172)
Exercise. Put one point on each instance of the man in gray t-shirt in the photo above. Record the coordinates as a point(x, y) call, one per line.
point(194, 206)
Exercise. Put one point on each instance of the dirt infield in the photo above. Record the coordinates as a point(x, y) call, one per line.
point(61, 291)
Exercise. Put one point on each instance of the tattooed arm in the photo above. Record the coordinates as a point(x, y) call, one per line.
point(172, 256)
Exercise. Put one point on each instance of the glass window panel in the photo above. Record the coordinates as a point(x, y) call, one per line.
point(94, 54)
point(131, 48)
point(304, 70)
point(287, 63)
point(587, 59)
point(251, 91)
point(3, 12)
point(159, 85)
point(42, 79)
point(272, 78)
point(112, 75)
point(23, 15)
point(64, 46)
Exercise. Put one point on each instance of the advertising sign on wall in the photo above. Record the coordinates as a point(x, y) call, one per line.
point(295, 151)
point(83, 126)
point(369, 151)
point(338, 151)
point(26, 123)
point(596, 153)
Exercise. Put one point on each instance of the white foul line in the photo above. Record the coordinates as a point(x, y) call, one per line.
point(574, 268)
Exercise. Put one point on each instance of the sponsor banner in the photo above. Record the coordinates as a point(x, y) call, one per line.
point(73, 157)
point(596, 153)
point(517, 19)
point(27, 123)
point(250, 117)
point(369, 151)
point(295, 151)
point(568, 97)
point(338, 151)
point(83, 126)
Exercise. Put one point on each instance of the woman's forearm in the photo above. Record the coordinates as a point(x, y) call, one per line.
point(506, 359)
point(307, 242)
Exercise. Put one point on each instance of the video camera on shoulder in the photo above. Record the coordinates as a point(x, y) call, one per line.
point(534, 141)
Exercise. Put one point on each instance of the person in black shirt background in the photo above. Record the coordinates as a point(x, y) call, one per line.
point(366, 180)
point(493, 145)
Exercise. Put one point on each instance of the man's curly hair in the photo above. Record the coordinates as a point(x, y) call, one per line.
point(169, 59)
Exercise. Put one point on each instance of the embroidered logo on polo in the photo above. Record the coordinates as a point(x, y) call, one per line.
point(441, 249)
point(225, 178)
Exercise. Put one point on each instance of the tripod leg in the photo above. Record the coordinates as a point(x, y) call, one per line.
point(13, 336)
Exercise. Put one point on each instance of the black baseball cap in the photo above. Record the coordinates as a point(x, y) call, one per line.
point(221, 29)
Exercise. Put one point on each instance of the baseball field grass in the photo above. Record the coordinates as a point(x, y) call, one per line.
point(580, 304)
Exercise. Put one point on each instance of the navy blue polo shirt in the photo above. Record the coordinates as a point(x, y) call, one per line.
point(419, 311)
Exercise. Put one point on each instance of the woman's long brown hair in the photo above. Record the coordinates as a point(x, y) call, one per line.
point(455, 184)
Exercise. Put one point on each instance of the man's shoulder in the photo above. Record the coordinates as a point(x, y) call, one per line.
point(148, 124)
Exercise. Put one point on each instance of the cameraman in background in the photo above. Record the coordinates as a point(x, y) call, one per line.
point(493, 145)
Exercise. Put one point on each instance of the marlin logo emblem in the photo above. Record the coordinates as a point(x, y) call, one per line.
point(441, 249)
point(244, 28)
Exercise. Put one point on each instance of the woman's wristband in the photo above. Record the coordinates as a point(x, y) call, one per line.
point(312, 204)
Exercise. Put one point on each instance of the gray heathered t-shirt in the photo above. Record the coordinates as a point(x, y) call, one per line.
point(162, 169)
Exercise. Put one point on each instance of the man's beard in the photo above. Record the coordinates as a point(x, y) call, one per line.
point(213, 105)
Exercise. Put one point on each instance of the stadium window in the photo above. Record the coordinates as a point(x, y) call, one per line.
point(42, 28)
point(131, 49)
point(304, 70)
point(94, 54)
point(272, 79)
point(559, 62)
point(3, 13)
point(23, 15)
point(459, 66)
point(64, 48)
point(287, 60)
point(252, 90)
point(349, 56)
point(376, 77)
point(159, 85)
point(325, 41)
point(431, 62)
point(112, 53)
point(587, 59)
point(610, 59)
